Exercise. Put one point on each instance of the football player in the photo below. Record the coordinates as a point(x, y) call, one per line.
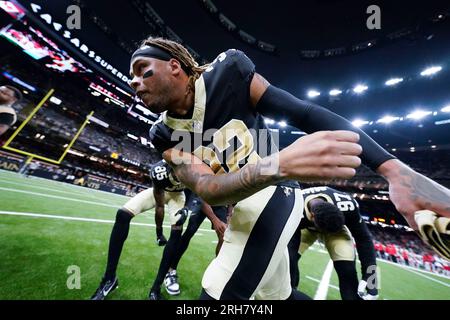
point(333, 217)
point(166, 190)
point(218, 216)
point(197, 210)
point(8, 96)
point(213, 134)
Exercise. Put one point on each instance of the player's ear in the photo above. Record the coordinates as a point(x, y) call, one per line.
point(175, 66)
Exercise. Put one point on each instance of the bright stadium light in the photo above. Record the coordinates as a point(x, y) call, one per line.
point(335, 92)
point(132, 136)
point(446, 109)
point(313, 93)
point(430, 71)
point(269, 121)
point(360, 88)
point(393, 81)
point(418, 114)
point(55, 100)
point(387, 119)
point(282, 124)
point(359, 123)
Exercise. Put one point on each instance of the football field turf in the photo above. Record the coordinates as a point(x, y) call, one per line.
point(48, 227)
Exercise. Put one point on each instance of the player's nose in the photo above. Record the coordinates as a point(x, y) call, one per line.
point(135, 83)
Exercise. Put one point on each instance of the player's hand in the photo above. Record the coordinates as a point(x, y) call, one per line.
point(410, 191)
point(183, 215)
point(220, 227)
point(366, 293)
point(323, 155)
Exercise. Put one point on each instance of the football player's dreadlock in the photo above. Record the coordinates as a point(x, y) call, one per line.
point(179, 52)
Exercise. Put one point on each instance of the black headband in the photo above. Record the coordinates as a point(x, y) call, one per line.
point(152, 52)
point(157, 53)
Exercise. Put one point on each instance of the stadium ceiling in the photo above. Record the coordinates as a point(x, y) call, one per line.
point(114, 30)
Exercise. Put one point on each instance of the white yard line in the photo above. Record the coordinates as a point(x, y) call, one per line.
point(430, 278)
point(66, 185)
point(51, 216)
point(322, 290)
point(59, 197)
point(89, 195)
point(409, 268)
point(318, 249)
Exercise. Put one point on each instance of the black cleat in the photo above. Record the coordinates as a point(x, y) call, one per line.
point(155, 295)
point(105, 288)
point(161, 241)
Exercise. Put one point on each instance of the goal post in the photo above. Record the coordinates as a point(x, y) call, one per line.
point(24, 123)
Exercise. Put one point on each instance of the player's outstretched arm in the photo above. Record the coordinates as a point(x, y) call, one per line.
point(411, 191)
point(319, 156)
point(274, 102)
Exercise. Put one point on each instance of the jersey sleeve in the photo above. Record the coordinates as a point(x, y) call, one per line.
point(232, 72)
point(241, 64)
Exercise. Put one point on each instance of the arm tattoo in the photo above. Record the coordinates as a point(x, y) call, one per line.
point(423, 188)
point(227, 188)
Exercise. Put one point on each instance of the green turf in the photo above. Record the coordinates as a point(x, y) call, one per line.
point(36, 251)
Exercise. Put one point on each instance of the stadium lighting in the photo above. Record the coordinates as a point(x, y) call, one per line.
point(433, 146)
point(418, 114)
point(359, 123)
point(55, 100)
point(430, 71)
point(335, 92)
point(394, 149)
point(132, 136)
point(387, 119)
point(282, 124)
point(313, 93)
point(393, 81)
point(360, 88)
point(269, 121)
point(446, 109)
point(95, 148)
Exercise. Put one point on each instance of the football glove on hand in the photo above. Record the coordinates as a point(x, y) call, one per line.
point(435, 231)
point(365, 293)
point(183, 215)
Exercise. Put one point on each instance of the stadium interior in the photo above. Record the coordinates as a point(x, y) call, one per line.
point(85, 149)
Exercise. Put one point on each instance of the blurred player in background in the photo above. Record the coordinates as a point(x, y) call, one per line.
point(166, 190)
point(9, 95)
point(197, 210)
point(333, 217)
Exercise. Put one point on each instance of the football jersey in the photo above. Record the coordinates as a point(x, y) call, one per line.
point(222, 129)
point(162, 177)
point(344, 201)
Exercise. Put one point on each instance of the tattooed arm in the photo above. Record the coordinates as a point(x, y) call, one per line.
point(410, 191)
point(222, 189)
point(320, 156)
